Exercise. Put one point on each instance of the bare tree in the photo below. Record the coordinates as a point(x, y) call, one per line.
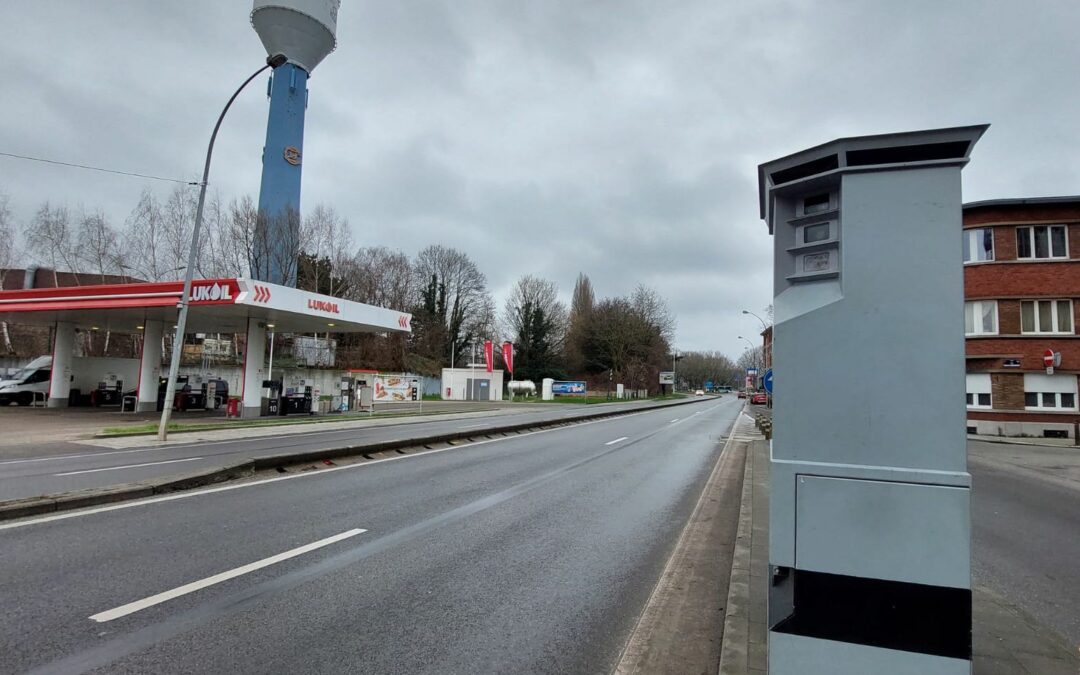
point(581, 307)
point(50, 238)
point(326, 236)
point(697, 368)
point(536, 321)
point(652, 307)
point(532, 295)
point(275, 245)
point(98, 246)
point(380, 276)
point(219, 253)
point(8, 255)
point(144, 251)
point(239, 254)
point(452, 299)
point(582, 302)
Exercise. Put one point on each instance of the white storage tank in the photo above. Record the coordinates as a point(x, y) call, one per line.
point(305, 31)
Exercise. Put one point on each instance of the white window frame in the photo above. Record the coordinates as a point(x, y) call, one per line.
point(979, 383)
point(1049, 242)
point(977, 317)
point(972, 240)
point(1053, 317)
point(1039, 384)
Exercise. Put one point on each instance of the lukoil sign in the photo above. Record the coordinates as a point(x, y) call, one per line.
point(215, 292)
point(323, 306)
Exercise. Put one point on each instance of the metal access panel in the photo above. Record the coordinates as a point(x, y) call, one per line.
point(807, 656)
point(883, 530)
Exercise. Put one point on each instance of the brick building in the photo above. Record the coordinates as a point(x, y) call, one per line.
point(1022, 298)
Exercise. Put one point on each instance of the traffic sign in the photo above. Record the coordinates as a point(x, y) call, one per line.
point(767, 381)
point(1048, 358)
point(751, 372)
point(708, 385)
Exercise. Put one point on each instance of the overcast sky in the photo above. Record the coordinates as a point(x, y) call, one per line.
point(548, 137)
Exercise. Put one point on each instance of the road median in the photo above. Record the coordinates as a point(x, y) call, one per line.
point(78, 499)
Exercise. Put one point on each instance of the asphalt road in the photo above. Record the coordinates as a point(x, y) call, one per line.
point(531, 553)
point(94, 467)
point(1026, 530)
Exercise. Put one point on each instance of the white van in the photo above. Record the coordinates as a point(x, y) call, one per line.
point(21, 388)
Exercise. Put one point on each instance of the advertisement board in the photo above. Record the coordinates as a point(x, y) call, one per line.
point(575, 388)
point(394, 388)
point(667, 377)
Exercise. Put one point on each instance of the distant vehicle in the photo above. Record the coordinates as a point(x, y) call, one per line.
point(699, 393)
point(22, 386)
point(759, 398)
point(742, 393)
point(89, 374)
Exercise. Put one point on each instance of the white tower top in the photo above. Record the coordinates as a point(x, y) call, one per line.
point(305, 31)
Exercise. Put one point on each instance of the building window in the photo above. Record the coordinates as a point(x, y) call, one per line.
point(978, 244)
point(1046, 316)
point(980, 317)
point(1049, 392)
point(1042, 241)
point(978, 390)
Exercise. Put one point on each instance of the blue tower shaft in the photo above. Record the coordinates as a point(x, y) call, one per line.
point(277, 241)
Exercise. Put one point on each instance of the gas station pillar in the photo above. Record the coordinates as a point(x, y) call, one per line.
point(869, 514)
point(150, 366)
point(254, 368)
point(63, 352)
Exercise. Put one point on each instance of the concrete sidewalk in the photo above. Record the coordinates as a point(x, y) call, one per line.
point(1005, 639)
point(1023, 440)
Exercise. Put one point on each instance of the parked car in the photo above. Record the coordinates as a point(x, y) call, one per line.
point(742, 393)
point(699, 392)
point(759, 398)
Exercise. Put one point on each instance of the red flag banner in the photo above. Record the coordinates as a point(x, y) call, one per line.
point(508, 356)
point(489, 355)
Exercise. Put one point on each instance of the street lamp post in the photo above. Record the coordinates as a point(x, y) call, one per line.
point(764, 327)
point(185, 296)
point(752, 348)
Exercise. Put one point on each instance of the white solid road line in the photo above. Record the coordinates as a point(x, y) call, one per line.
point(473, 426)
point(132, 607)
point(128, 466)
point(85, 454)
point(621, 438)
point(674, 421)
point(321, 472)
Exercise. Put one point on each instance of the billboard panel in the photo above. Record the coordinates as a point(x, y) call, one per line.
point(571, 388)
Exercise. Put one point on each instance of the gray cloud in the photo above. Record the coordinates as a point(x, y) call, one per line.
point(615, 138)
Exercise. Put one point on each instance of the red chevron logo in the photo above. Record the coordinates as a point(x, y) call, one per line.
point(403, 321)
point(261, 293)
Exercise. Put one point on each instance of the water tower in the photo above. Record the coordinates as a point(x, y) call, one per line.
point(304, 31)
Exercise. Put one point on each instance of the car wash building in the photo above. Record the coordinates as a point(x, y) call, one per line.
point(234, 305)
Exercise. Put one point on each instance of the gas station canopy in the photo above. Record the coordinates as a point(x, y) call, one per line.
point(217, 306)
